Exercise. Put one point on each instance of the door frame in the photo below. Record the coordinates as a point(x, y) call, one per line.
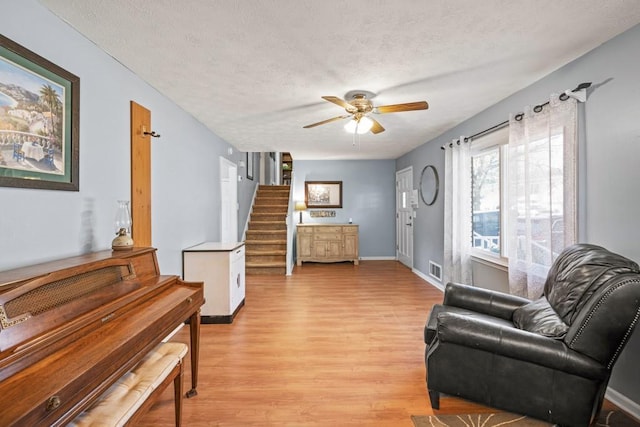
point(228, 200)
point(404, 216)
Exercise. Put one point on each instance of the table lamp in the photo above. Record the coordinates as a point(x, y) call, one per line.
point(300, 206)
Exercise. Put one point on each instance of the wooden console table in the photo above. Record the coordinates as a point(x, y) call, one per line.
point(327, 243)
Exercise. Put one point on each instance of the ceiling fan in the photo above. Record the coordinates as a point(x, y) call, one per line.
point(359, 108)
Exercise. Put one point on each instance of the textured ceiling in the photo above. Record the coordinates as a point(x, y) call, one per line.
point(254, 71)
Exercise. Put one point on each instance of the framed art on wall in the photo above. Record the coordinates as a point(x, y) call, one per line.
point(39, 128)
point(323, 194)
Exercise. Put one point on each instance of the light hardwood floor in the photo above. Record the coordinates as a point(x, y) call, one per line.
point(331, 345)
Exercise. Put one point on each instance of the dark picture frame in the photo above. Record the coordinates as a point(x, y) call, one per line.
point(323, 194)
point(250, 166)
point(39, 121)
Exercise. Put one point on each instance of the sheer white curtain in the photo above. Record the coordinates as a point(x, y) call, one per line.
point(457, 213)
point(542, 163)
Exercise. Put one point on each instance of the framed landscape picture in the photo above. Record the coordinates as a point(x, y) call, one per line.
point(39, 129)
point(323, 194)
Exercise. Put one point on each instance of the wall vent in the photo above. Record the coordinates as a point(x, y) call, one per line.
point(435, 270)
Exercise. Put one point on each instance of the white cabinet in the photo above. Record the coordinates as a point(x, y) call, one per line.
point(221, 267)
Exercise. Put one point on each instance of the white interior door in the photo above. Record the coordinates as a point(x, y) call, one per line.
point(404, 217)
point(228, 201)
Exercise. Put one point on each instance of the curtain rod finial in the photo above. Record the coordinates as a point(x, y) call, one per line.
point(578, 95)
point(581, 86)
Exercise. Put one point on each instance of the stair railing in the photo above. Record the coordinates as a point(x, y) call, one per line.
point(290, 227)
point(246, 223)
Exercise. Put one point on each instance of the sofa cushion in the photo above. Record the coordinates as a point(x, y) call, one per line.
point(539, 317)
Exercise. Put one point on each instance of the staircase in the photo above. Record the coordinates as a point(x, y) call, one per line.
point(266, 241)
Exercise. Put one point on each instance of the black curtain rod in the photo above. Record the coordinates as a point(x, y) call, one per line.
point(518, 117)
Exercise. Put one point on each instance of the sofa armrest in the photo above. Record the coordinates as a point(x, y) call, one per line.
point(496, 338)
point(482, 300)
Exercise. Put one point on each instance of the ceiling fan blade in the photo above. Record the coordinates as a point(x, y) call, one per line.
point(377, 127)
point(333, 119)
point(396, 108)
point(341, 102)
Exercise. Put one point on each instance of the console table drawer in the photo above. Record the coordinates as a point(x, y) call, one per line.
point(327, 236)
point(328, 229)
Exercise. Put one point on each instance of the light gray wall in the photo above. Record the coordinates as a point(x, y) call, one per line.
point(269, 167)
point(246, 189)
point(41, 225)
point(428, 232)
point(368, 197)
point(609, 205)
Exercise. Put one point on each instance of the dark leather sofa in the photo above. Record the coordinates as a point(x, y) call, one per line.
point(550, 358)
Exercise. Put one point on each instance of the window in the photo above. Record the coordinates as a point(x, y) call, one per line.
point(488, 168)
point(541, 192)
point(540, 216)
point(539, 212)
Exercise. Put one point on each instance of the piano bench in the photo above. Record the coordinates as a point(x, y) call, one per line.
point(132, 395)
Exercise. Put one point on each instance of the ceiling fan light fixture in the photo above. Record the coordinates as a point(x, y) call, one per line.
point(359, 125)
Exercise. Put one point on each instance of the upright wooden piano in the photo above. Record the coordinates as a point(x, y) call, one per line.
point(70, 328)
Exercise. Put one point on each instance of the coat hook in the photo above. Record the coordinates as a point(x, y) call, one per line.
point(152, 133)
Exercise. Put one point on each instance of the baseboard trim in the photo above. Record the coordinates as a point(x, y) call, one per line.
point(427, 279)
point(377, 258)
point(220, 319)
point(623, 402)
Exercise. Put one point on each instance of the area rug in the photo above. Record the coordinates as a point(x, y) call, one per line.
point(606, 419)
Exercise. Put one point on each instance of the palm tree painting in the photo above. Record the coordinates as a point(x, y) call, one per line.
point(51, 100)
point(39, 108)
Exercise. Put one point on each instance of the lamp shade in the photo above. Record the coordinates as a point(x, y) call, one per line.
point(361, 125)
point(300, 206)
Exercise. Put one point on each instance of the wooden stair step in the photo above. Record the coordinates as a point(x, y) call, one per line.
point(272, 194)
point(266, 234)
point(268, 216)
point(260, 246)
point(261, 252)
point(263, 264)
point(274, 187)
point(268, 258)
point(270, 203)
point(267, 267)
point(267, 225)
point(267, 271)
point(266, 198)
point(265, 255)
point(270, 209)
point(265, 241)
